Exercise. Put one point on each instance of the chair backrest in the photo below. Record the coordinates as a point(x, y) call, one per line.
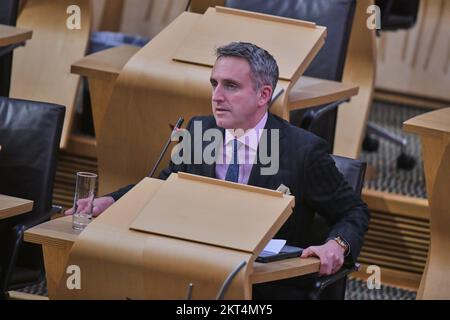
point(353, 172)
point(337, 16)
point(329, 63)
point(30, 133)
point(398, 14)
point(8, 16)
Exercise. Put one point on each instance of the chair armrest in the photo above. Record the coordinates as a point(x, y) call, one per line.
point(325, 281)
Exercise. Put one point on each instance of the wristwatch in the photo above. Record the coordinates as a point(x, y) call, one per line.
point(342, 243)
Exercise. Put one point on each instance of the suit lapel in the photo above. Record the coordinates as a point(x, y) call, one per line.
point(256, 179)
point(209, 170)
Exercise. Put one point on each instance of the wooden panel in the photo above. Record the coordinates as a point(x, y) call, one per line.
point(136, 17)
point(275, 35)
point(417, 61)
point(11, 206)
point(310, 92)
point(398, 238)
point(40, 70)
point(359, 70)
point(11, 35)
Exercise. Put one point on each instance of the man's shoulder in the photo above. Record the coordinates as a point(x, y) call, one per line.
point(206, 121)
point(294, 134)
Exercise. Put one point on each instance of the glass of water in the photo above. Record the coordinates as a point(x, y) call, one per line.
point(84, 199)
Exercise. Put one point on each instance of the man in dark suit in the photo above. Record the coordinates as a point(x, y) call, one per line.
point(243, 79)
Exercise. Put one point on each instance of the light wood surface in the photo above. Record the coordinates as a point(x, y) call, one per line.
point(104, 64)
point(11, 35)
point(135, 17)
point(359, 70)
point(150, 84)
point(396, 203)
point(416, 61)
point(40, 70)
point(12, 206)
point(58, 237)
point(102, 69)
point(434, 130)
point(310, 92)
point(204, 218)
point(399, 234)
point(276, 33)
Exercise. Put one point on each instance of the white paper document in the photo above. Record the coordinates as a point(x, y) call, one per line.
point(275, 245)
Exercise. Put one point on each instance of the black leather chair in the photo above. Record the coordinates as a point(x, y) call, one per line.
point(30, 134)
point(337, 16)
point(333, 287)
point(8, 16)
point(398, 14)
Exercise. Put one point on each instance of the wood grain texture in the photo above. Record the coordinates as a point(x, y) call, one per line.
point(112, 236)
point(434, 130)
point(11, 35)
point(40, 70)
point(12, 206)
point(359, 70)
point(151, 92)
point(417, 59)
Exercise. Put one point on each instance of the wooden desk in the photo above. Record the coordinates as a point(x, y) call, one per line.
point(102, 69)
point(57, 237)
point(40, 71)
point(11, 206)
point(434, 130)
point(11, 35)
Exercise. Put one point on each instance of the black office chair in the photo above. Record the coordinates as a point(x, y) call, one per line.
point(395, 15)
point(30, 134)
point(8, 16)
point(337, 16)
point(333, 287)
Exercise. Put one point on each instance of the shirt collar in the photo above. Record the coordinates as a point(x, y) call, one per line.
point(251, 137)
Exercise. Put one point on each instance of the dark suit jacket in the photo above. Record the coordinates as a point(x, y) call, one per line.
point(305, 167)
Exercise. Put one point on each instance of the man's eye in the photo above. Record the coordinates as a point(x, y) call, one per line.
point(213, 84)
point(231, 85)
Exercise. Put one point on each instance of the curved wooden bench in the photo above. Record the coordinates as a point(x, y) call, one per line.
point(434, 130)
point(41, 69)
point(360, 68)
point(12, 35)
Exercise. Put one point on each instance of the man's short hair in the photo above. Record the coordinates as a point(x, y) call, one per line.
point(263, 67)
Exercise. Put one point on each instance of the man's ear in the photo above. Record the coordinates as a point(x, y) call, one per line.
point(265, 94)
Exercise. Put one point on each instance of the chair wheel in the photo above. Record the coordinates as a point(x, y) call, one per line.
point(405, 162)
point(370, 144)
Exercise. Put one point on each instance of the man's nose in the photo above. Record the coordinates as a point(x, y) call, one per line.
point(217, 94)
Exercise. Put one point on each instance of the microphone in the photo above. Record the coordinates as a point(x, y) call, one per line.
point(177, 126)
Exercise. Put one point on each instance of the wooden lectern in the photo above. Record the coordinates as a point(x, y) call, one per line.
point(434, 130)
point(177, 239)
point(169, 78)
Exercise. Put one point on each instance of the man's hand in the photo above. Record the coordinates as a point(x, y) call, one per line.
point(331, 256)
point(100, 205)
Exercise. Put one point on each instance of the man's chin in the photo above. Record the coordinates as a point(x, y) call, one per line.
point(223, 123)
